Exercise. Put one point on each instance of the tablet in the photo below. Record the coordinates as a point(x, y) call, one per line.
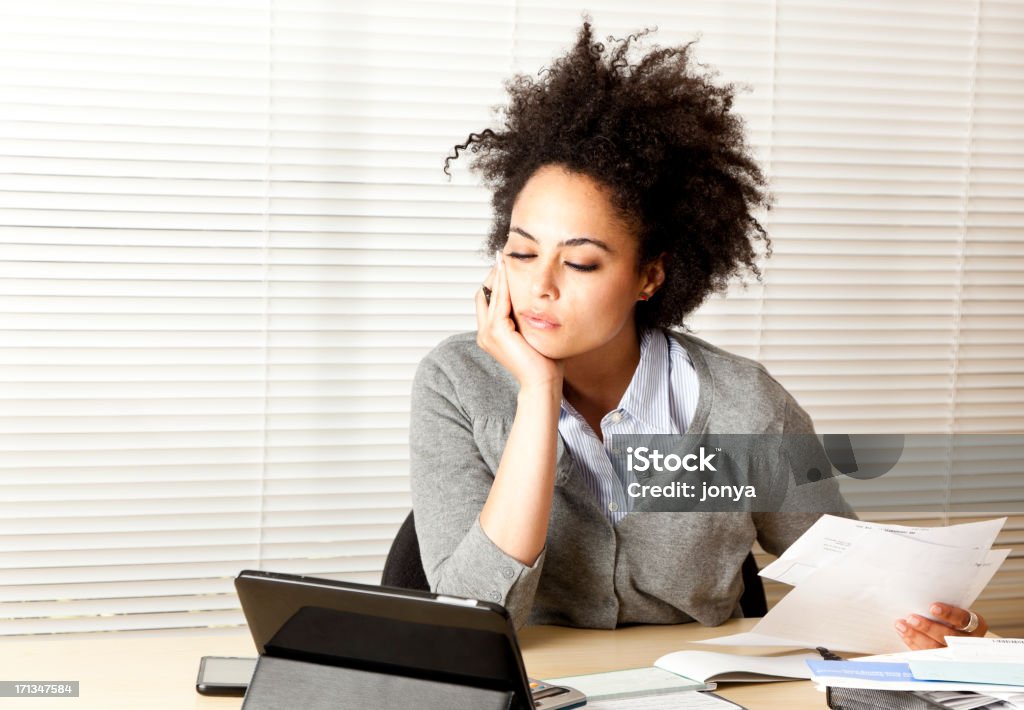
point(393, 631)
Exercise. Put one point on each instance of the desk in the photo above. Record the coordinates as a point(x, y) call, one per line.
point(157, 670)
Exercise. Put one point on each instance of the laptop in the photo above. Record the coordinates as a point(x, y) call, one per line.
point(466, 645)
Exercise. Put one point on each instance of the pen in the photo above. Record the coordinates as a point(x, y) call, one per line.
point(827, 655)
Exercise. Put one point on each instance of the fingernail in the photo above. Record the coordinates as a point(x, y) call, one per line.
point(936, 609)
point(900, 626)
point(914, 621)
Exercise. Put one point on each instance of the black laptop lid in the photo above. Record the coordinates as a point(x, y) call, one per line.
point(384, 629)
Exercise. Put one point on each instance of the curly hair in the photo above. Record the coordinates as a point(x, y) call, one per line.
point(660, 136)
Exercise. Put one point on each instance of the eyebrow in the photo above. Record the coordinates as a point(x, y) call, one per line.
point(574, 242)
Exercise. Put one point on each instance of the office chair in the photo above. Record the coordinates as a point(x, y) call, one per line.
point(403, 568)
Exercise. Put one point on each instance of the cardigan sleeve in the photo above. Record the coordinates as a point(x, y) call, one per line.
point(799, 498)
point(450, 483)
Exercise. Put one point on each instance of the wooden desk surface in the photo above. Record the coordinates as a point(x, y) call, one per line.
point(157, 670)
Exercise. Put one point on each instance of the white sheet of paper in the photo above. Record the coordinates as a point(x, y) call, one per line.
point(852, 606)
point(986, 570)
point(750, 638)
point(633, 681)
point(832, 536)
point(926, 654)
point(1014, 697)
point(686, 700)
point(1001, 650)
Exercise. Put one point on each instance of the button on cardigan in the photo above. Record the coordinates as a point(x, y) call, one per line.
point(653, 567)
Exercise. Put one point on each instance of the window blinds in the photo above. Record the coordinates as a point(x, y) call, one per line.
point(227, 242)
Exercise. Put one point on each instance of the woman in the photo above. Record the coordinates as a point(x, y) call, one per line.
point(623, 195)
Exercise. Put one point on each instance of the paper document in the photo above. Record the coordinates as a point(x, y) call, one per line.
point(974, 660)
point(971, 648)
point(750, 638)
point(1015, 699)
point(831, 536)
point(961, 700)
point(852, 605)
point(855, 580)
point(970, 672)
point(927, 654)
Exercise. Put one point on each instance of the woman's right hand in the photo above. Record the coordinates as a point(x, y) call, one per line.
point(497, 335)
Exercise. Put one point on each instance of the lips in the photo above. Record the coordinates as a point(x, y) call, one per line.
point(539, 321)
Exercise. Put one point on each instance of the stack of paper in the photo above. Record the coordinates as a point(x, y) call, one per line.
point(852, 581)
point(975, 671)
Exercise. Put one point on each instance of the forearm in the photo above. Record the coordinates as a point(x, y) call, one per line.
point(515, 516)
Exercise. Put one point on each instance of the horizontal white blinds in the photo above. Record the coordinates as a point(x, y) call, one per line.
point(893, 302)
point(226, 241)
point(134, 346)
point(226, 244)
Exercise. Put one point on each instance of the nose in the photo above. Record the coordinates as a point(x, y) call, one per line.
point(543, 281)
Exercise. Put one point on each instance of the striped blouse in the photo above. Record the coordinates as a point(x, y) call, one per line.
point(661, 399)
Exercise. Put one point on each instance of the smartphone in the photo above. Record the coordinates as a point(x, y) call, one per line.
point(220, 675)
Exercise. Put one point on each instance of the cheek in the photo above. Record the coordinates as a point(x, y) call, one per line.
point(602, 306)
point(617, 294)
point(516, 289)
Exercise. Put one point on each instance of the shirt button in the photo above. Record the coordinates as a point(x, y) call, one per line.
point(616, 417)
point(613, 506)
point(507, 572)
point(495, 596)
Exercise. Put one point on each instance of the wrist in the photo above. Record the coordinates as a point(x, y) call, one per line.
point(546, 391)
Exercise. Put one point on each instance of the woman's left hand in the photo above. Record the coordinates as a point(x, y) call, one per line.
point(920, 632)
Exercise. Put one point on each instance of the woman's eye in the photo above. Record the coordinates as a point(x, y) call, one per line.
point(525, 256)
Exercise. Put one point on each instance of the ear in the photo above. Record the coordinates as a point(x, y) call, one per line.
point(652, 275)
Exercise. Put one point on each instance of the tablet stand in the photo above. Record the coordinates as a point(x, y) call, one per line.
point(286, 684)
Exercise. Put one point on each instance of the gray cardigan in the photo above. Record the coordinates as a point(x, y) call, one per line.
point(658, 568)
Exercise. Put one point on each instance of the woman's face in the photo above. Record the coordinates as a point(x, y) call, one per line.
point(572, 266)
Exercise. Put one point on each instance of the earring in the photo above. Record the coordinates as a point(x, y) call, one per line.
point(643, 297)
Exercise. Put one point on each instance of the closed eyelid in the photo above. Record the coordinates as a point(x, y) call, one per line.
point(519, 256)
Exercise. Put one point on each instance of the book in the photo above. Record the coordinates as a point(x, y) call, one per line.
point(713, 667)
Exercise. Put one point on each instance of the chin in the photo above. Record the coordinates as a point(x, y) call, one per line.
point(549, 347)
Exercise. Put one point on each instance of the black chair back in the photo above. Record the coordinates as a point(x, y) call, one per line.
point(403, 566)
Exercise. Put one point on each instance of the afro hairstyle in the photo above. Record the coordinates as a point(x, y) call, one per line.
point(659, 134)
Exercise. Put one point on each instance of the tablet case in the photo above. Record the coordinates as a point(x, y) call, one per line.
point(342, 645)
point(285, 684)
